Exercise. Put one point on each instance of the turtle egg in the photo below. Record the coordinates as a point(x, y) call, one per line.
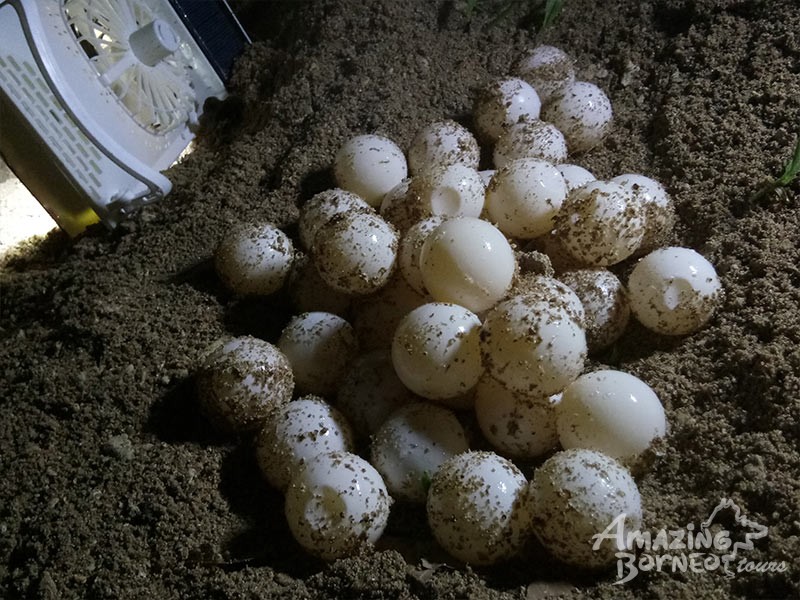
point(674, 291)
point(321, 208)
point(514, 423)
point(370, 166)
point(337, 504)
point(605, 302)
point(478, 509)
point(442, 144)
point(469, 262)
point(601, 224)
point(453, 191)
point(582, 112)
point(320, 347)
point(412, 444)
point(547, 69)
point(254, 259)
point(309, 292)
point(577, 494)
point(241, 380)
point(371, 391)
point(530, 139)
point(532, 345)
point(357, 254)
point(296, 432)
point(436, 350)
point(524, 197)
point(659, 211)
point(503, 103)
point(612, 412)
point(411, 250)
point(574, 176)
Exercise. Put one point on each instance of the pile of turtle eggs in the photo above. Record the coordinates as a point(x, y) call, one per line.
point(427, 288)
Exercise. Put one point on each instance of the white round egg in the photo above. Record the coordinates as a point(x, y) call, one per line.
point(659, 210)
point(478, 508)
point(524, 197)
point(370, 166)
point(254, 259)
point(577, 494)
point(601, 224)
point(411, 251)
point(516, 424)
point(532, 345)
point(336, 505)
point(612, 412)
point(674, 291)
point(320, 347)
point(582, 112)
point(357, 254)
point(452, 191)
point(412, 444)
point(530, 139)
point(605, 302)
point(436, 350)
point(467, 261)
point(547, 69)
point(442, 144)
point(241, 380)
point(501, 104)
point(296, 432)
point(321, 208)
point(574, 175)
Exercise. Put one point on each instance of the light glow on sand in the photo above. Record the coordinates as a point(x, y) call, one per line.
point(21, 215)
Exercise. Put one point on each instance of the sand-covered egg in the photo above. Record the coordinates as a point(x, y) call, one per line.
point(241, 380)
point(478, 509)
point(436, 350)
point(530, 139)
point(322, 207)
point(254, 259)
point(532, 344)
point(674, 291)
point(577, 494)
point(442, 144)
point(297, 432)
point(548, 69)
point(502, 103)
point(370, 166)
point(659, 209)
point(524, 197)
point(582, 112)
point(451, 191)
point(605, 302)
point(357, 254)
point(601, 224)
point(412, 444)
point(336, 505)
point(612, 412)
point(574, 175)
point(309, 292)
point(467, 261)
point(320, 347)
point(410, 252)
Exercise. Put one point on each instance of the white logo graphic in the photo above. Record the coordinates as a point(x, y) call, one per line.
point(686, 549)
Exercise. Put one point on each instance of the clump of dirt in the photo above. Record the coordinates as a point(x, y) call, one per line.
point(114, 486)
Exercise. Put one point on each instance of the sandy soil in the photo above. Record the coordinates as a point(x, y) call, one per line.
point(114, 486)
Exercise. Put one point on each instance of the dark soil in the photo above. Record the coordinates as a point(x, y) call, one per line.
point(115, 487)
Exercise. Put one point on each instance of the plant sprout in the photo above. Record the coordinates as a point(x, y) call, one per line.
point(790, 172)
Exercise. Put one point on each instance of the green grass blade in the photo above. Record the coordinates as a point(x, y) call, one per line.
point(792, 168)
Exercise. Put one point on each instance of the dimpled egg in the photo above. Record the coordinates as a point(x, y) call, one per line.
point(442, 144)
point(601, 224)
point(467, 261)
point(612, 412)
point(337, 504)
point(524, 197)
point(370, 166)
point(547, 69)
point(605, 302)
point(532, 345)
point(582, 112)
point(241, 380)
point(530, 139)
point(436, 350)
point(412, 444)
point(296, 432)
point(357, 254)
point(501, 104)
point(321, 208)
point(254, 259)
point(577, 494)
point(411, 251)
point(674, 291)
point(659, 210)
point(452, 191)
point(320, 347)
point(478, 509)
